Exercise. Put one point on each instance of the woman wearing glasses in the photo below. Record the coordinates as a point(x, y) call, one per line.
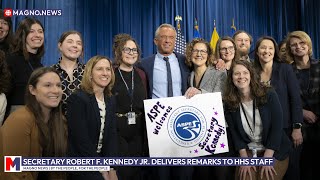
point(226, 50)
point(204, 79)
point(307, 70)
point(130, 90)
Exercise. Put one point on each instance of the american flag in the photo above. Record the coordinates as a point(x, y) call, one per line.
point(180, 46)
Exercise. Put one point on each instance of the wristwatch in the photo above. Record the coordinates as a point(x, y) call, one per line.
point(296, 125)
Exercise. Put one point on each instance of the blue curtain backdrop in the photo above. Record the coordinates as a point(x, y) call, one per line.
point(100, 20)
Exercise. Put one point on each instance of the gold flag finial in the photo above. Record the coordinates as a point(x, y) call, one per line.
point(233, 26)
point(178, 19)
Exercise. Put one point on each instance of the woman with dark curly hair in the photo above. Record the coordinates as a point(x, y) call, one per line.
point(130, 90)
point(204, 77)
point(4, 85)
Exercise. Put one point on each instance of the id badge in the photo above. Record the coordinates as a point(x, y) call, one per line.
point(254, 153)
point(131, 118)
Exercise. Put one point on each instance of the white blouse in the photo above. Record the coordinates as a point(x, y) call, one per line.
point(102, 110)
point(3, 105)
point(256, 135)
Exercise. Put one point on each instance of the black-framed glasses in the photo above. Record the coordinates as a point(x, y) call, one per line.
point(127, 50)
point(225, 49)
point(202, 52)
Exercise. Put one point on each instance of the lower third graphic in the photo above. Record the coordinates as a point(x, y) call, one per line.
point(12, 163)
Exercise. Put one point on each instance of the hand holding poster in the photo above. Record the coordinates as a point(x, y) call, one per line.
point(181, 127)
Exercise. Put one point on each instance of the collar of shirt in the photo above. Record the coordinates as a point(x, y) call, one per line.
point(160, 83)
point(59, 67)
point(171, 56)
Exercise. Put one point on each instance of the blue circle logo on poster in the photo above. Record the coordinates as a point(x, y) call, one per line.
point(187, 126)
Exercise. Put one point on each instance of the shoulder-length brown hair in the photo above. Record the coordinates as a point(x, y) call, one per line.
point(232, 96)
point(86, 83)
point(20, 43)
point(189, 49)
point(119, 41)
point(4, 74)
point(217, 50)
point(53, 134)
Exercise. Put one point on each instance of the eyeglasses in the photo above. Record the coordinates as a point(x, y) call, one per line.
point(128, 50)
point(202, 52)
point(295, 45)
point(163, 37)
point(224, 50)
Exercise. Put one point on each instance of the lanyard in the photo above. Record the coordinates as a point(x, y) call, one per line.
point(132, 86)
point(254, 117)
point(31, 67)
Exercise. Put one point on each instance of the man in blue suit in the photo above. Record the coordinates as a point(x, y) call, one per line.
point(155, 65)
point(156, 70)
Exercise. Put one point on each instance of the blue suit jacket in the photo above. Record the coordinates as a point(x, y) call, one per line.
point(284, 81)
point(84, 129)
point(273, 135)
point(147, 65)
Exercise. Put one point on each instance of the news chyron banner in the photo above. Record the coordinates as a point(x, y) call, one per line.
point(181, 127)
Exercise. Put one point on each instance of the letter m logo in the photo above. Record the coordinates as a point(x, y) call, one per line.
point(12, 163)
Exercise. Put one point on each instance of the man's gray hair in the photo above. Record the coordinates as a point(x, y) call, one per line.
point(162, 26)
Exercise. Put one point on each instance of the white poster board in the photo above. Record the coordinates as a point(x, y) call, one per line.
point(181, 127)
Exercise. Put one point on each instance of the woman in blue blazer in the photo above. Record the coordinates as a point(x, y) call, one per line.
point(254, 116)
point(91, 120)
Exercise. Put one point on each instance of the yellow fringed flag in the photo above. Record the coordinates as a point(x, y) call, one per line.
point(214, 37)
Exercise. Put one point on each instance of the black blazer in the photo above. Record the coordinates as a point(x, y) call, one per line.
point(273, 135)
point(83, 118)
point(147, 65)
point(284, 81)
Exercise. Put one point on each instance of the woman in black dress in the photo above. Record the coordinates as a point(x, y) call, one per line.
point(130, 91)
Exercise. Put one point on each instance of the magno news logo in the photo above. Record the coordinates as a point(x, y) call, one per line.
point(12, 163)
point(32, 12)
point(7, 12)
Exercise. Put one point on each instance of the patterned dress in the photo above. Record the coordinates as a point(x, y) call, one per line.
point(69, 85)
